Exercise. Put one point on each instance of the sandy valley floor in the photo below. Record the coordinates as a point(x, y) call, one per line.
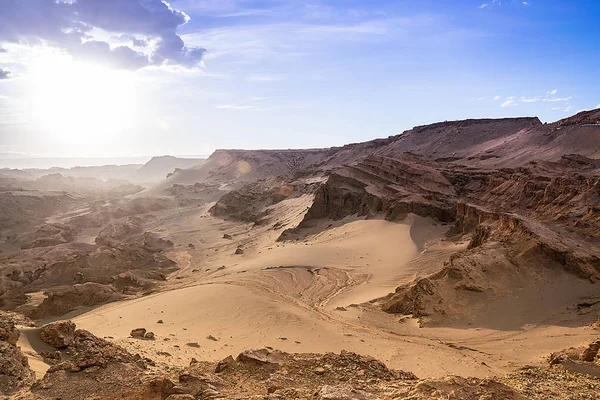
point(312, 295)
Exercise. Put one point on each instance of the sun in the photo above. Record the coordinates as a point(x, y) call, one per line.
point(83, 107)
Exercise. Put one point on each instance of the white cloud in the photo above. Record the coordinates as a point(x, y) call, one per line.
point(78, 28)
point(530, 100)
point(548, 98)
point(598, 106)
point(497, 97)
point(500, 3)
point(509, 103)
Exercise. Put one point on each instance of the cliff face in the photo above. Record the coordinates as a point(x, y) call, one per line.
point(393, 186)
point(251, 203)
point(540, 219)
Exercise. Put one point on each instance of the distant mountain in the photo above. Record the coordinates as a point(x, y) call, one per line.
point(159, 167)
point(23, 161)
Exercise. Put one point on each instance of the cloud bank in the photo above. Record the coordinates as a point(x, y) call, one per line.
point(73, 26)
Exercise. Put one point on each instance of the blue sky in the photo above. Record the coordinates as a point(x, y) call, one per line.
point(193, 76)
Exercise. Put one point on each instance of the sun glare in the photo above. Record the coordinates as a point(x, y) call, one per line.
point(83, 107)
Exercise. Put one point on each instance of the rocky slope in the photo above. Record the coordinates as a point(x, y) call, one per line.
point(83, 365)
point(14, 367)
point(234, 168)
point(541, 213)
point(253, 202)
point(50, 271)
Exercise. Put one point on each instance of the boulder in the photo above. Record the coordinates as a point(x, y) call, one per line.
point(224, 364)
point(591, 353)
point(262, 356)
point(58, 334)
point(138, 332)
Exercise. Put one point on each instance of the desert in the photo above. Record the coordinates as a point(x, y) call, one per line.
point(299, 200)
point(465, 267)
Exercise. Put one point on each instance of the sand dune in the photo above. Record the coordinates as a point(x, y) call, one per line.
point(284, 296)
point(287, 295)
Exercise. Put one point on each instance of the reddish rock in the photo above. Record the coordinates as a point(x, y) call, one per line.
point(58, 334)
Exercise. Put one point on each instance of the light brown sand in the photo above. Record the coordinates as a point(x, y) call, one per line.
point(285, 295)
point(31, 345)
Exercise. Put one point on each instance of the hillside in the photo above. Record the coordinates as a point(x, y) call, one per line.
point(159, 167)
point(234, 168)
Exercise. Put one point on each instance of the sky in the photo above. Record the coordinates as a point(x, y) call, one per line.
point(129, 78)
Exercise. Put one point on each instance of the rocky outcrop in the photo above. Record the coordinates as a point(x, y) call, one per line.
point(251, 202)
point(562, 248)
point(94, 366)
point(8, 332)
point(506, 253)
point(394, 187)
point(52, 268)
point(23, 208)
point(59, 334)
point(14, 367)
point(97, 367)
point(61, 301)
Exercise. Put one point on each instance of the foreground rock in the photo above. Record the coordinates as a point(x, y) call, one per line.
point(93, 367)
point(14, 367)
point(99, 369)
